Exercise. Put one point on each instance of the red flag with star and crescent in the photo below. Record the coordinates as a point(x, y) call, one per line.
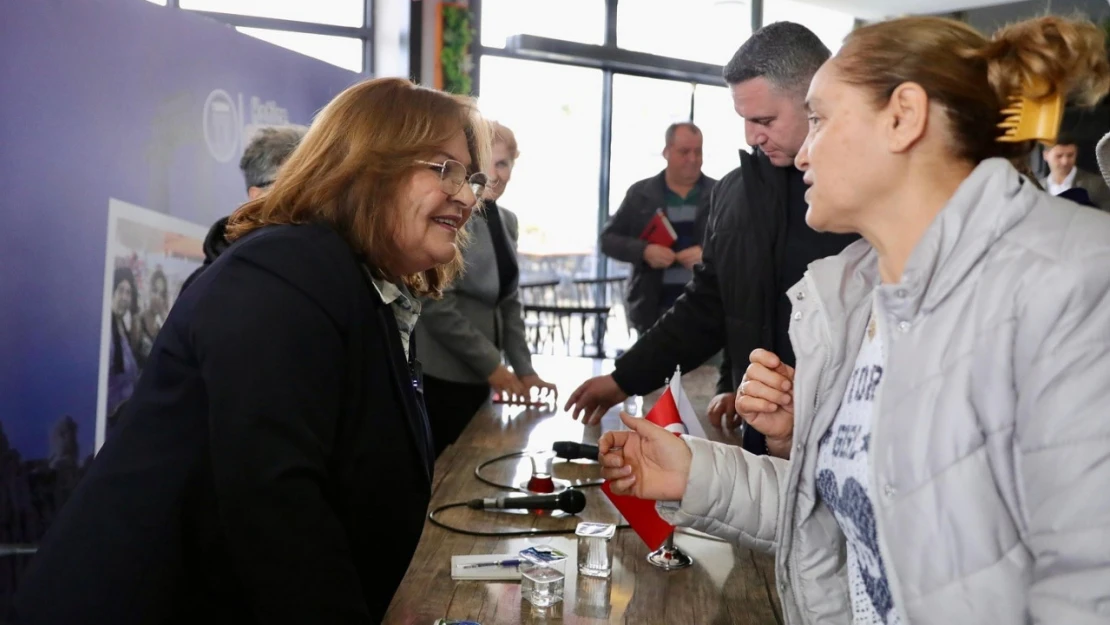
point(674, 413)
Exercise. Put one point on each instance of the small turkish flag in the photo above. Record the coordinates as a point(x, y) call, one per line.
point(675, 413)
point(641, 516)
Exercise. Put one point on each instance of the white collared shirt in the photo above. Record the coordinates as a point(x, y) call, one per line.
point(1069, 182)
point(406, 307)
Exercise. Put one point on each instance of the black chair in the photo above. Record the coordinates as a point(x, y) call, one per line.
point(560, 314)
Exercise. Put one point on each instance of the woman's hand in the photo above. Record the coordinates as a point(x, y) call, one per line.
point(647, 462)
point(544, 391)
point(765, 400)
point(505, 383)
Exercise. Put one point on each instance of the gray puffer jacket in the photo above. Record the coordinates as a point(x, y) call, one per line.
point(990, 448)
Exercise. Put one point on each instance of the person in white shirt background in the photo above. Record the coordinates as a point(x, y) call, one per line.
point(1065, 175)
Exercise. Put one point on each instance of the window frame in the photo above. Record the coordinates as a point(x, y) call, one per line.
point(612, 60)
point(364, 33)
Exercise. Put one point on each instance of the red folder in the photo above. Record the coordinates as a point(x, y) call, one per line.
point(659, 230)
point(642, 517)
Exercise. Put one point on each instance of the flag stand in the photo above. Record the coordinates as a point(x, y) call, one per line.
point(669, 557)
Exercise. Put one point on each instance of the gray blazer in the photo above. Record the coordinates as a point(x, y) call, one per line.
point(1093, 184)
point(460, 337)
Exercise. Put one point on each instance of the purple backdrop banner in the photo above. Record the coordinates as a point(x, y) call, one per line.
point(121, 127)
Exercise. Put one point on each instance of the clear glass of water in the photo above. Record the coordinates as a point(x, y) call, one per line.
point(542, 586)
point(542, 575)
point(595, 553)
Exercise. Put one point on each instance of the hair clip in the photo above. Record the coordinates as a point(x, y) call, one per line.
point(1033, 119)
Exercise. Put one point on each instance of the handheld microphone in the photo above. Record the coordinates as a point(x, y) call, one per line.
point(570, 500)
point(569, 450)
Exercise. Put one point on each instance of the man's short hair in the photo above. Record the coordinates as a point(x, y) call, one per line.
point(1066, 139)
point(785, 53)
point(672, 130)
point(267, 150)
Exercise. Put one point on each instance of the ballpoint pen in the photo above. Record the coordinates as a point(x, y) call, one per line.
point(512, 562)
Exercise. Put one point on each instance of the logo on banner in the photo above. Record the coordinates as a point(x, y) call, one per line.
point(225, 125)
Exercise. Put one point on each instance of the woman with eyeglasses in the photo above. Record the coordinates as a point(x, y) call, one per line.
point(463, 335)
point(274, 463)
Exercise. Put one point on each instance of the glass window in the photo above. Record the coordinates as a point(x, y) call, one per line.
point(346, 52)
point(391, 39)
point(582, 21)
point(338, 12)
point(554, 189)
point(709, 31)
point(642, 110)
point(722, 128)
point(830, 25)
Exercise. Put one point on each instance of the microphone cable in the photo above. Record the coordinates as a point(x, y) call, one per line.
point(499, 534)
point(515, 487)
point(531, 531)
point(538, 532)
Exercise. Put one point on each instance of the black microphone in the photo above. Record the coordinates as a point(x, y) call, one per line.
point(570, 500)
point(569, 450)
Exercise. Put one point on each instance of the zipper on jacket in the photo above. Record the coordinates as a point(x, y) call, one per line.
point(794, 578)
point(878, 488)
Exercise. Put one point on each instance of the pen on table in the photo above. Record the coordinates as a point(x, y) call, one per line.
point(475, 565)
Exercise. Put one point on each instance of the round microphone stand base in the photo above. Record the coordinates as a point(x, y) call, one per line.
point(669, 557)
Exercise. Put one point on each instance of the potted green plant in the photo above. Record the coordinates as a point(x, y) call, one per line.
point(454, 54)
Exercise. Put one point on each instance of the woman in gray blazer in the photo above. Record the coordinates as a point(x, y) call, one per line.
point(462, 336)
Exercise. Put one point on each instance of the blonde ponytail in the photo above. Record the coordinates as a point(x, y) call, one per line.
point(973, 77)
point(1067, 55)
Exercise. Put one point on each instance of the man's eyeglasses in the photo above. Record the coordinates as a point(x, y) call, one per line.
point(452, 177)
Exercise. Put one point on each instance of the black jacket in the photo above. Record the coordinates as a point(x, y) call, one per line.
point(620, 240)
point(732, 300)
point(215, 243)
point(273, 465)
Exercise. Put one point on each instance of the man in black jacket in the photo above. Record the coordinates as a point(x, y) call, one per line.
point(758, 243)
point(681, 193)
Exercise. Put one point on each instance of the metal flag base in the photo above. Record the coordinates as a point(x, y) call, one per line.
point(669, 557)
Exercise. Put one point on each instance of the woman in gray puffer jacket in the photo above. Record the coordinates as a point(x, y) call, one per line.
point(951, 406)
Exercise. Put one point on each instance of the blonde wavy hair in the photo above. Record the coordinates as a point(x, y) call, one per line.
point(351, 166)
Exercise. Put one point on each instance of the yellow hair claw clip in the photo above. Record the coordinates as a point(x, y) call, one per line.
point(1033, 119)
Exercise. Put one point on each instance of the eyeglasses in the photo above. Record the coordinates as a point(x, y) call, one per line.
point(452, 177)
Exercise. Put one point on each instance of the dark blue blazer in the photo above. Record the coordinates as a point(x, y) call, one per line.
point(273, 466)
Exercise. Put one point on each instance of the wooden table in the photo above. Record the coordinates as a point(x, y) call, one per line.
point(726, 584)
